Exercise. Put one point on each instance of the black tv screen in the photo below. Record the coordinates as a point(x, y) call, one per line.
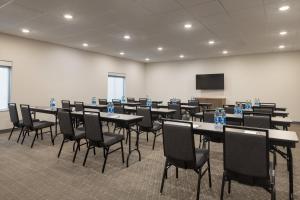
point(210, 81)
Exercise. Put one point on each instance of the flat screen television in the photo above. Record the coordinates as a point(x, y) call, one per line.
point(210, 81)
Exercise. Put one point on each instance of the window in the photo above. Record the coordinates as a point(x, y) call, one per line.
point(115, 86)
point(4, 87)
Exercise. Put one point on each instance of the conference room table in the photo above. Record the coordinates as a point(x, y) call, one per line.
point(282, 138)
point(159, 111)
point(204, 105)
point(284, 122)
point(109, 117)
point(93, 106)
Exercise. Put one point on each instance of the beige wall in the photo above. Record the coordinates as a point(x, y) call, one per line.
point(271, 77)
point(42, 70)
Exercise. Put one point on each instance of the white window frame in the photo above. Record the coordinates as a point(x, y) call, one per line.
point(7, 65)
point(117, 75)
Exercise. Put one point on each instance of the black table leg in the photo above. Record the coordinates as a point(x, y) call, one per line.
point(290, 168)
point(129, 146)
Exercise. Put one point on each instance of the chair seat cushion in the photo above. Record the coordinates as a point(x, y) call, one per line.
point(110, 138)
point(202, 156)
point(42, 124)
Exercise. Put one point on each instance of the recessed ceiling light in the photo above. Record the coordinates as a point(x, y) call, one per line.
point(85, 44)
point(122, 53)
point(211, 42)
point(160, 48)
point(224, 52)
point(282, 33)
point(284, 8)
point(68, 16)
point(281, 47)
point(126, 37)
point(147, 59)
point(181, 56)
point(25, 30)
point(188, 26)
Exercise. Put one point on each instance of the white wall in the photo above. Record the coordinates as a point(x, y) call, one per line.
point(42, 70)
point(271, 77)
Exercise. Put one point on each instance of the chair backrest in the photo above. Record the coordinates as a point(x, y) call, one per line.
point(178, 142)
point(147, 118)
point(266, 110)
point(65, 122)
point(209, 116)
point(257, 120)
point(143, 101)
point(102, 101)
point(246, 151)
point(194, 103)
point(13, 113)
point(229, 109)
point(130, 99)
point(65, 104)
point(272, 105)
point(26, 115)
point(154, 104)
point(116, 101)
point(177, 107)
point(93, 127)
point(175, 101)
point(119, 109)
point(79, 106)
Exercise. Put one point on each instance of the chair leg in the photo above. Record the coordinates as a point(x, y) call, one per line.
point(94, 149)
point(61, 146)
point(209, 173)
point(12, 130)
point(74, 146)
point(35, 136)
point(122, 151)
point(199, 183)
point(105, 159)
point(22, 129)
point(147, 137)
point(222, 187)
point(51, 134)
point(163, 177)
point(86, 154)
point(176, 172)
point(77, 148)
point(229, 186)
point(154, 141)
point(24, 135)
point(42, 137)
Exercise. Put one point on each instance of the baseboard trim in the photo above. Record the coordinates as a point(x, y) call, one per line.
point(6, 130)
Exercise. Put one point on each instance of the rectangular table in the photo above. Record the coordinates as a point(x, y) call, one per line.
point(287, 139)
point(160, 111)
point(276, 121)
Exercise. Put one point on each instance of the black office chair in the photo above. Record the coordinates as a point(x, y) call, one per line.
point(33, 125)
point(257, 120)
point(130, 99)
point(65, 104)
point(194, 110)
point(102, 101)
point(143, 101)
point(229, 109)
point(119, 125)
point(96, 138)
point(180, 151)
point(245, 164)
point(79, 107)
point(266, 110)
point(147, 125)
point(68, 131)
point(177, 107)
point(14, 118)
point(116, 101)
point(209, 115)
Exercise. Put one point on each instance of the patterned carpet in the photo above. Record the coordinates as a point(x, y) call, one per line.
point(37, 174)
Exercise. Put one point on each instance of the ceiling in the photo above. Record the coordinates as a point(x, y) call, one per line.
point(239, 26)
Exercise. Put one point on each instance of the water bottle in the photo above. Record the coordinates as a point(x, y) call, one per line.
point(240, 109)
point(52, 103)
point(216, 117)
point(123, 99)
point(94, 101)
point(223, 114)
point(112, 109)
point(109, 107)
point(150, 102)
